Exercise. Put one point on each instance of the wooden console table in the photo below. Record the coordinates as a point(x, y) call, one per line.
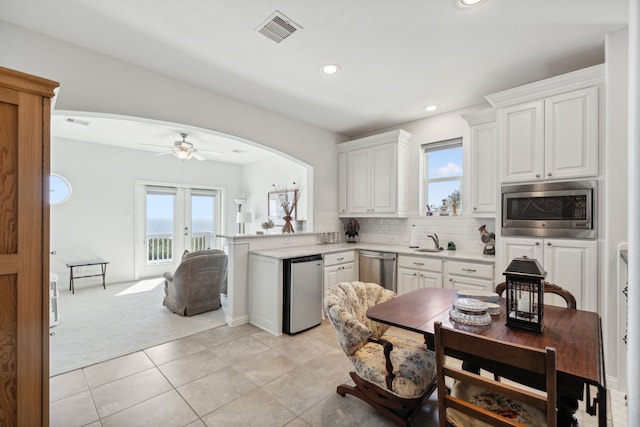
point(72, 276)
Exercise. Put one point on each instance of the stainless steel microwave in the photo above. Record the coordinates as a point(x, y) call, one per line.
point(558, 209)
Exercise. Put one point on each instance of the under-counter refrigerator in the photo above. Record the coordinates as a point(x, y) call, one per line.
point(302, 292)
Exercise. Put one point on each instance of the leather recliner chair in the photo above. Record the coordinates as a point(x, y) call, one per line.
point(196, 285)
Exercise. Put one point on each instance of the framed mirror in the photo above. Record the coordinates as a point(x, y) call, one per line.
point(275, 202)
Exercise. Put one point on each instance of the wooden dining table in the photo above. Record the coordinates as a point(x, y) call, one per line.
point(575, 334)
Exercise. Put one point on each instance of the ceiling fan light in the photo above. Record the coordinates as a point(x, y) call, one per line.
point(184, 154)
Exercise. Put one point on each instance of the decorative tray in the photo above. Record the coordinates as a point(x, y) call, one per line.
point(479, 295)
point(470, 311)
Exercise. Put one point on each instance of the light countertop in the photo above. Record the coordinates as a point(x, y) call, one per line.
point(299, 251)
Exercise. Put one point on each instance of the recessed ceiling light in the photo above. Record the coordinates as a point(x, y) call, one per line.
point(330, 69)
point(431, 108)
point(470, 3)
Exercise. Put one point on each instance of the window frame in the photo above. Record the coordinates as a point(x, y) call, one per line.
point(425, 148)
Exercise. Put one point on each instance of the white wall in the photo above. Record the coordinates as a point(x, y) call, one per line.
point(614, 201)
point(98, 219)
point(96, 83)
point(258, 178)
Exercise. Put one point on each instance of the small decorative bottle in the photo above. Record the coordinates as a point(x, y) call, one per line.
point(444, 208)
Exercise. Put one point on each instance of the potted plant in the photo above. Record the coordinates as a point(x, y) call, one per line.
point(351, 228)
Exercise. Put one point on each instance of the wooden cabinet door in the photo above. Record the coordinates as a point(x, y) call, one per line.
point(342, 183)
point(383, 163)
point(347, 272)
point(572, 264)
point(359, 179)
point(522, 142)
point(429, 279)
point(484, 188)
point(408, 280)
point(571, 134)
point(24, 249)
point(330, 277)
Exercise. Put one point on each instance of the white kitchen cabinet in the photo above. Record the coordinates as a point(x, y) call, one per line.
point(571, 134)
point(339, 267)
point(265, 293)
point(374, 181)
point(483, 156)
point(465, 275)
point(418, 272)
point(569, 263)
point(550, 129)
point(342, 183)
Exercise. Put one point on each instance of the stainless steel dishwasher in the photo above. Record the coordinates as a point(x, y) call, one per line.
point(378, 267)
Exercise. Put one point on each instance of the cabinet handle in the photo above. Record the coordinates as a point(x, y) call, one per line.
point(451, 280)
point(469, 270)
point(474, 208)
point(537, 243)
point(548, 243)
point(415, 274)
point(340, 259)
point(549, 174)
point(537, 175)
point(418, 263)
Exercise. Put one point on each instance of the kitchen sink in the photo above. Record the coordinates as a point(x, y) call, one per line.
point(429, 250)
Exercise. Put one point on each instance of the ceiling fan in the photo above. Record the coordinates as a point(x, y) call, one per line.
point(184, 150)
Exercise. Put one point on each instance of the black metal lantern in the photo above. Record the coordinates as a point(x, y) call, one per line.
point(525, 294)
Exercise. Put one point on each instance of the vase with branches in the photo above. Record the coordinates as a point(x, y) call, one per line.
point(288, 200)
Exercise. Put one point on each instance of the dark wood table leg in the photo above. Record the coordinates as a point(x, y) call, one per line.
point(567, 407)
point(71, 284)
point(104, 273)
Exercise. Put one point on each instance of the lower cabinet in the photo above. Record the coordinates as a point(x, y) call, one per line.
point(339, 267)
point(464, 275)
point(569, 263)
point(265, 293)
point(418, 272)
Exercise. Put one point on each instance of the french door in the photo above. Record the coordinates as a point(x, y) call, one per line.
point(172, 220)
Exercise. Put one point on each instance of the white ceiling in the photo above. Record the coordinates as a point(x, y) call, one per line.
point(154, 136)
point(396, 56)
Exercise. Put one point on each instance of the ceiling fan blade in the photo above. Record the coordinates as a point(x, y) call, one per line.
point(155, 145)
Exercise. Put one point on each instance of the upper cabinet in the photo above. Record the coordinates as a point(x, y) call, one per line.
point(372, 176)
point(483, 156)
point(550, 129)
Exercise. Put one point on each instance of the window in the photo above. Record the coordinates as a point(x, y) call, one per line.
point(442, 175)
point(59, 189)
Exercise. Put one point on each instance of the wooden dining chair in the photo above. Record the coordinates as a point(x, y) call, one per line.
point(548, 288)
point(475, 399)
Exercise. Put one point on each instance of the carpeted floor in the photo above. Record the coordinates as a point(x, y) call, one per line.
point(98, 324)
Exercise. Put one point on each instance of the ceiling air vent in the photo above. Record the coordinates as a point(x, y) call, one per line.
point(278, 27)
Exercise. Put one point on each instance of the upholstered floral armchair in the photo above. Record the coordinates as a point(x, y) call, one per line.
point(395, 375)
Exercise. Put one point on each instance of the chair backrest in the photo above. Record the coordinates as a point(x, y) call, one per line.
point(469, 346)
point(548, 288)
point(346, 305)
point(207, 266)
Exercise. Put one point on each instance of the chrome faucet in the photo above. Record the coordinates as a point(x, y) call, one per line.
point(435, 239)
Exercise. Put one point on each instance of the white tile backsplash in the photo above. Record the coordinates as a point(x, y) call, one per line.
point(461, 230)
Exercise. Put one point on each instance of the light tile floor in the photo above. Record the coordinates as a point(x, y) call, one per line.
point(239, 376)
